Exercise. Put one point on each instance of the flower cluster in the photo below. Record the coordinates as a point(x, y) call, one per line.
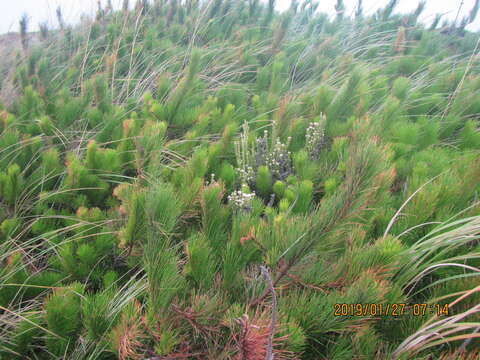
point(247, 174)
point(241, 200)
point(279, 160)
point(315, 139)
point(265, 152)
point(245, 154)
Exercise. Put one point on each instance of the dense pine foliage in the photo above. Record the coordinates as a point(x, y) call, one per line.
point(207, 180)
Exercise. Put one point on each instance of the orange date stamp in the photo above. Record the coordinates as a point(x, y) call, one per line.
point(394, 310)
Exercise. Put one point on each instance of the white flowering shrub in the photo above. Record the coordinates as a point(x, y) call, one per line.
point(241, 201)
point(279, 160)
point(266, 152)
point(315, 138)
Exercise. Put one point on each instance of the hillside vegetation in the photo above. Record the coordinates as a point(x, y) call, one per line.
point(208, 180)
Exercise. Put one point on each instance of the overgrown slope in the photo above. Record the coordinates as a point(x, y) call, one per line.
point(213, 180)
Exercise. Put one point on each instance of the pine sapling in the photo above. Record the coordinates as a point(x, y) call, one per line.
point(63, 318)
point(263, 181)
point(11, 184)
